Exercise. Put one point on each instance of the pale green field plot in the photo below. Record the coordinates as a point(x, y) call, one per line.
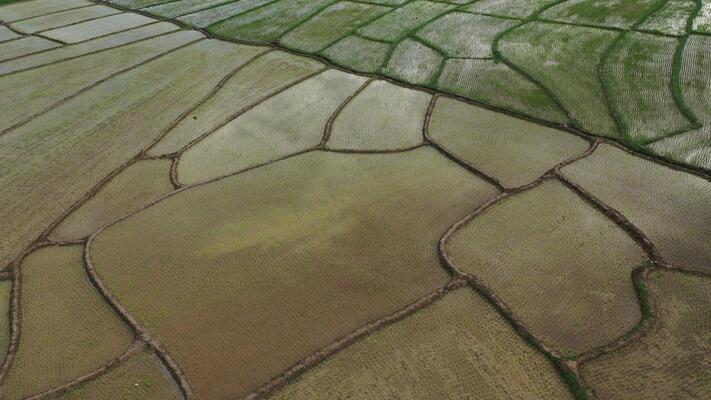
point(68, 330)
point(464, 35)
point(105, 43)
point(23, 100)
point(137, 185)
point(639, 72)
point(84, 139)
point(138, 3)
point(564, 270)
point(452, 349)
point(359, 54)
point(604, 13)
point(672, 360)
point(268, 23)
point(213, 258)
point(493, 82)
point(413, 62)
point(34, 8)
point(24, 46)
point(98, 27)
point(514, 151)
point(212, 15)
point(564, 59)
point(5, 294)
point(142, 377)
point(362, 125)
point(508, 8)
point(291, 122)
point(182, 7)
point(63, 18)
point(702, 22)
point(394, 26)
point(252, 84)
point(693, 147)
point(672, 18)
point(8, 34)
point(330, 25)
point(669, 206)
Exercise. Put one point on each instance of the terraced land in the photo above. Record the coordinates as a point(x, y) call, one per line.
point(326, 199)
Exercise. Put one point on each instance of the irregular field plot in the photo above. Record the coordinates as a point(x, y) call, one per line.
point(135, 186)
point(331, 24)
point(669, 206)
point(564, 59)
point(84, 139)
point(464, 35)
point(564, 270)
point(493, 82)
point(291, 122)
point(213, 15)
point(672, 18)
point(606, 13)
point(639, 72)
point(394, 26)
point(252, 84)
point(514, 151)
point(68, 330)
point(413, 62)
point(455, 347)
point(381, 117)
point(508, 8)
point(142, 377)
point(172, 9)
point(673, 360)
point(268, 23)
point(214, 257)
point(5, 294)
point(7, 34)
point(357, 53)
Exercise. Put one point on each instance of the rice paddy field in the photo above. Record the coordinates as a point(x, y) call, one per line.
point(365, 199)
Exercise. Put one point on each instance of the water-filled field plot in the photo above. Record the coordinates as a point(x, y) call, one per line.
point(334, 199)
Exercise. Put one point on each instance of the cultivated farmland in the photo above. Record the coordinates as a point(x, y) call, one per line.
point(331, 199)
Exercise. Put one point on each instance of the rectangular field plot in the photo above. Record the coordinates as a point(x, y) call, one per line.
point(34, 8)
point(212, 15)
point(455, 347)
point(565, 59)
point(603, 13)
point(331, 24)
point(639, 73)
point(98, 27)
point(63, 18)
point(105, 43)
point(24, 46)
point(394, 26)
